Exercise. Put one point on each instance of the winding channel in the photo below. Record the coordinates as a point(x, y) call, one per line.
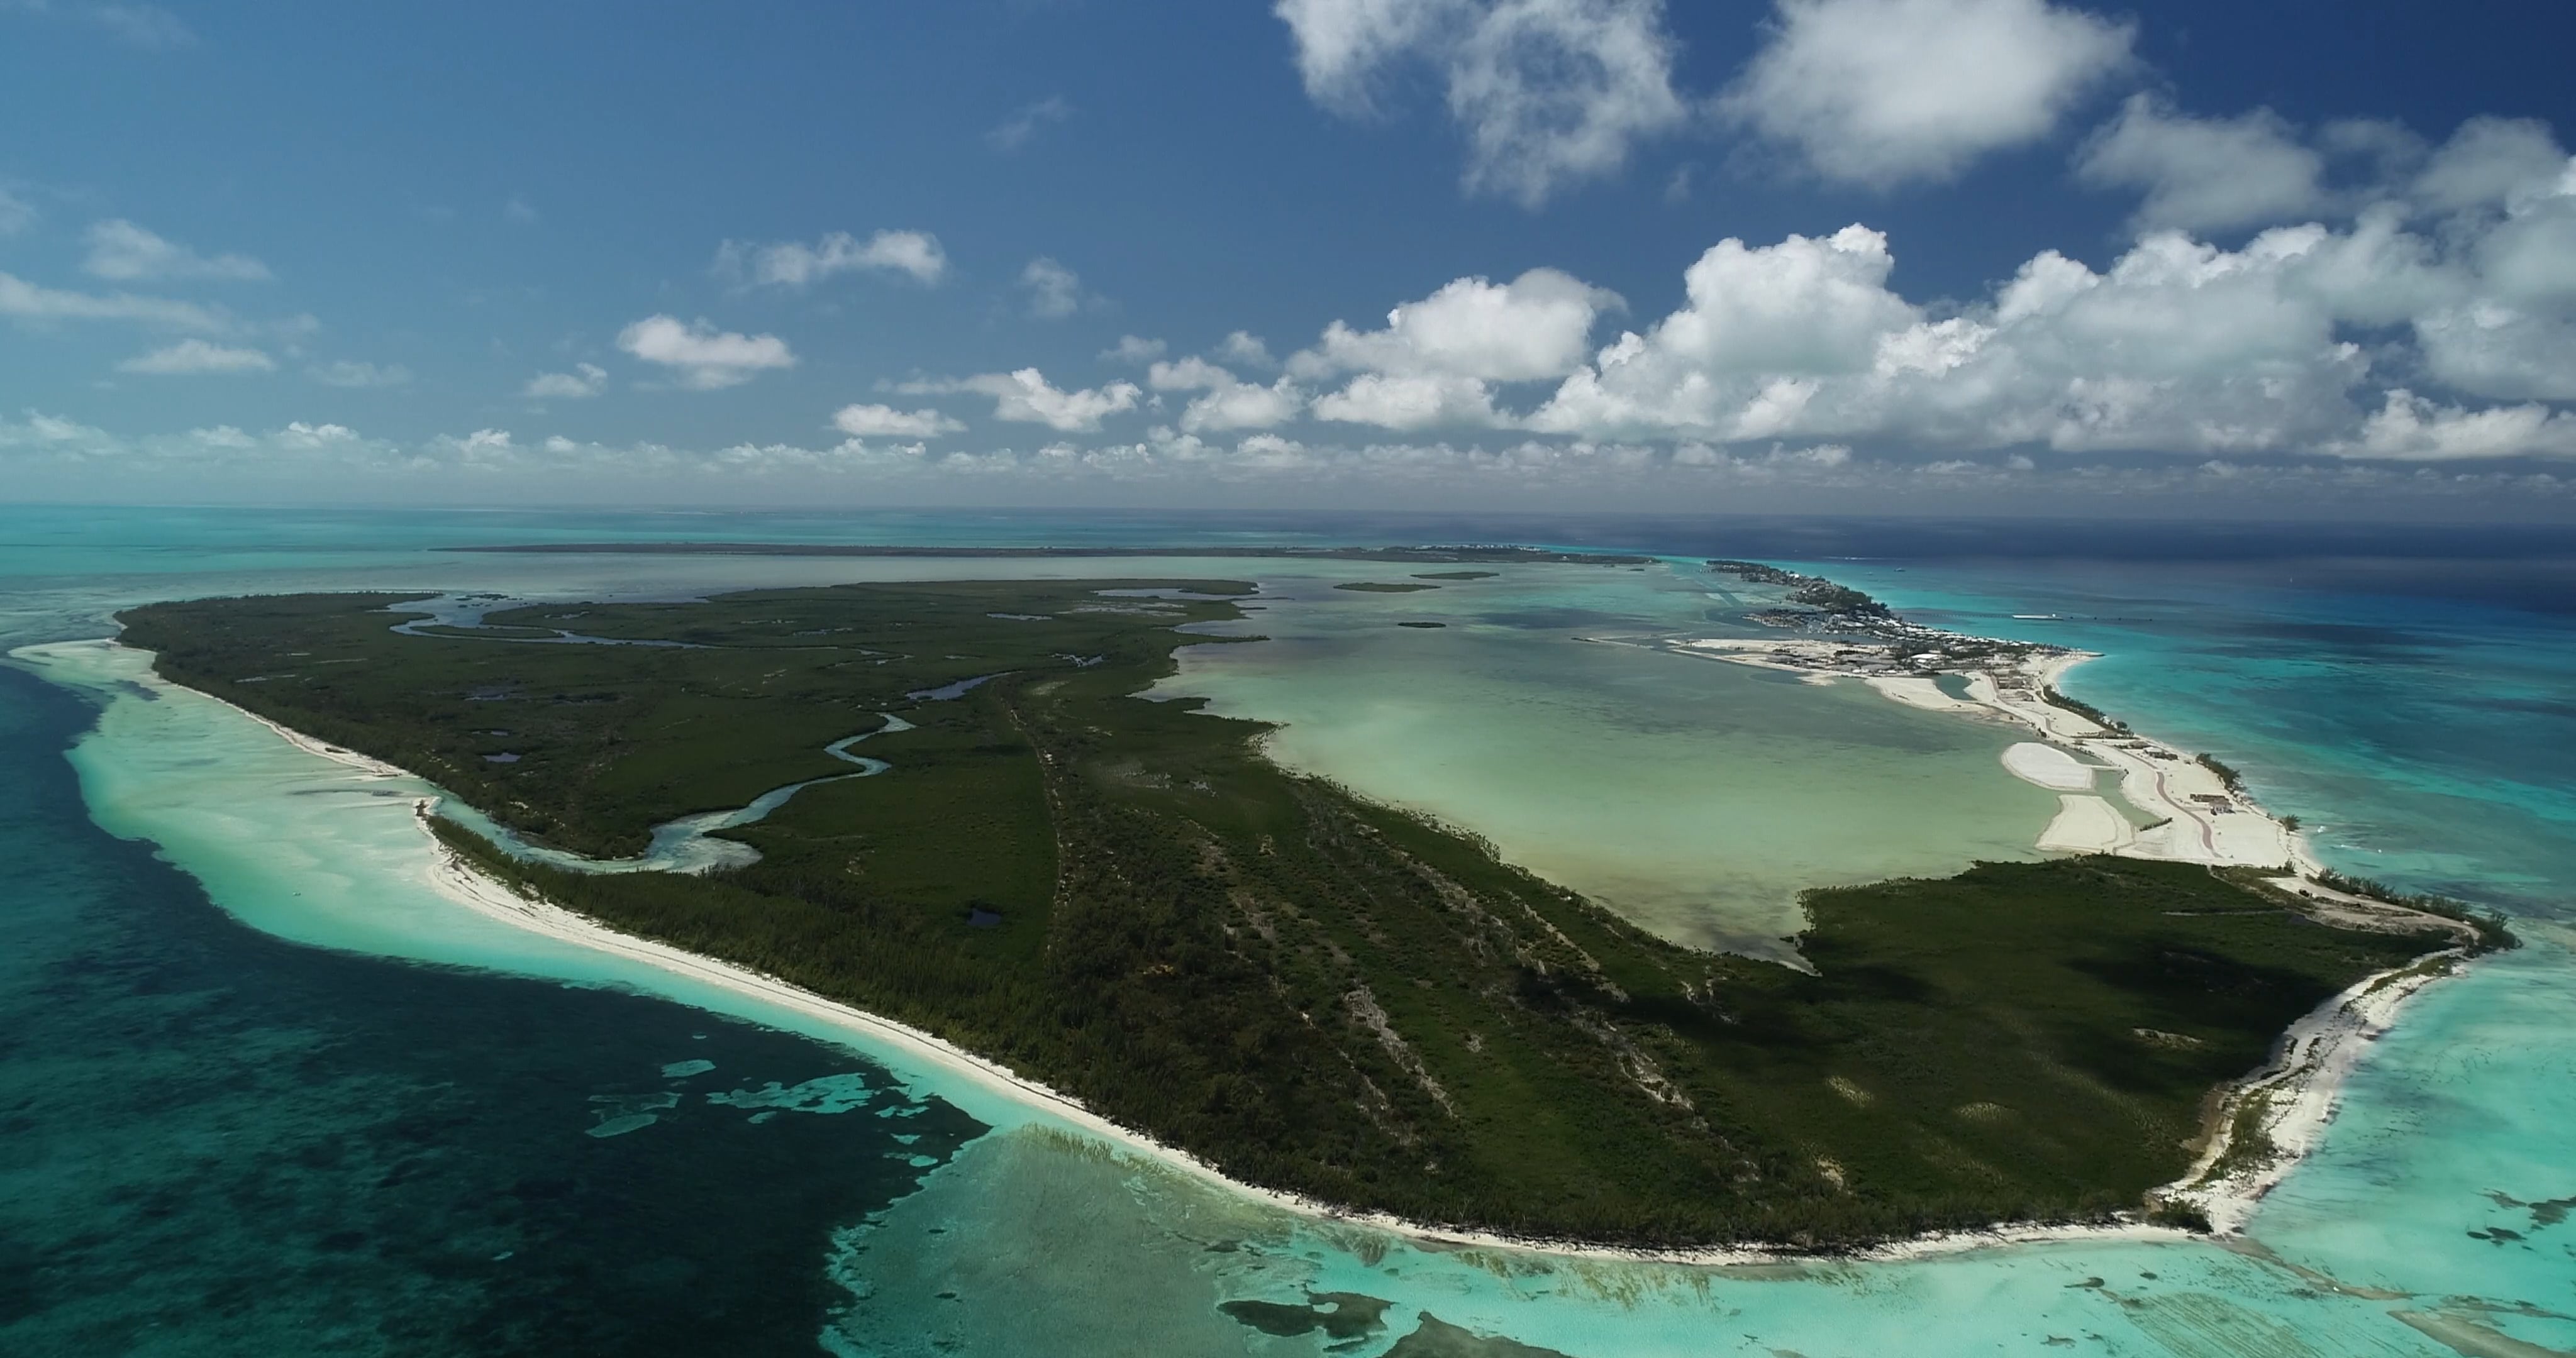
point(688, 843)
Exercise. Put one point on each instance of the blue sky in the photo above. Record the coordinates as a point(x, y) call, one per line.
point(1814, 254)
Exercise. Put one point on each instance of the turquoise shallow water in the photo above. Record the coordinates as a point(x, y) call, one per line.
point(1697, 797)
point(215, 1140)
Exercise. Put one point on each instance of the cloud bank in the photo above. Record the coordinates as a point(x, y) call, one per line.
point(2457, 277)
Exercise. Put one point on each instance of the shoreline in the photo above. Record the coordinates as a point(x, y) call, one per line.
point(2202, 816)
point(458, 879)
point(2318, 1053)
point(2195, 815)
point(2299, 1091)
point(2296, 1094)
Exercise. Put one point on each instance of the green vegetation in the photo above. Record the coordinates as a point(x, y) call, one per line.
point(1375, 587)
point(1833, 598)
point(1813, 591)
point(2228, 777)
point(2182, 1216)
point(2082, 709)
point(1755, 573)
point(2493, 934)
point(1313, 992)
point(2249, 1147)
point(1453, 575)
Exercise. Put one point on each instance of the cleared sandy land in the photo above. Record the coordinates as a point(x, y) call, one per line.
point(2049, 767)
point(1922, 693)
point(2086, 824)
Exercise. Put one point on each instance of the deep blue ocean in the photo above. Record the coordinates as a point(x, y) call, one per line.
point(213, 1141)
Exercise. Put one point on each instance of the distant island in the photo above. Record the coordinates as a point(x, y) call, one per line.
point(1806, 590)
point(952, 811)
point(1498, 554)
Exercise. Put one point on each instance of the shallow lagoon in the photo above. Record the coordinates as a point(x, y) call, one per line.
point(1041, 1244)
point(1695, 796)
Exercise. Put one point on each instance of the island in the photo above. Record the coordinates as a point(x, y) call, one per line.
point(946, 804)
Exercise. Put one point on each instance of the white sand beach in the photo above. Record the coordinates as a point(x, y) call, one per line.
point(2193, 816)
point(2294, 1098)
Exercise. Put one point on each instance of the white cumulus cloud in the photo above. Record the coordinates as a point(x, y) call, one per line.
point(1884, 92)
point(354, 374)
point(1027, 397)
point(705, 358)
point(2309, 339)
point(1246, 348)
point(1547, 92)
point(584, 381)
point(880, 421)
point(1135, 349)
point(25, 301)
point(2410, 428)
point(2487, 161)
point(194, 357)
point(1226, 401)
point(2207, 173)
point(1016, 131)
point(123, 252)
point(1538, 325)
point(1055, 291)
point(1410, 402)
point(1244, 405)
point(794, 264)
point(1188, 374)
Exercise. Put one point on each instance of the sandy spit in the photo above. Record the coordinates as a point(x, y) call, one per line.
point(2300, 1090)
